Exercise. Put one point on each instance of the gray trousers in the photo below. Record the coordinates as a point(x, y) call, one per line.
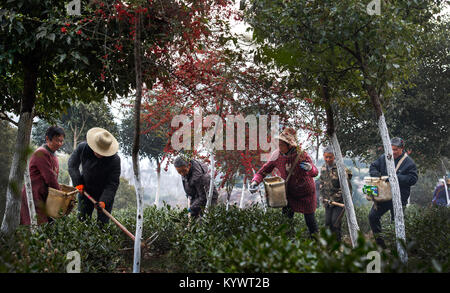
point(331, 220)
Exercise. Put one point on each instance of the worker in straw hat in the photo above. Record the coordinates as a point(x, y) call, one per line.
point(301, 189)
point(100, 175)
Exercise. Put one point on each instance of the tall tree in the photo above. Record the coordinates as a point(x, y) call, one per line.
point(42, 58)
point(415, 113)
point(153, 143)
point(375, 50)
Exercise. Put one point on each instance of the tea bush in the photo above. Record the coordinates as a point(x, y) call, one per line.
point(45, 249)
point(427, 236)
point(230, 241)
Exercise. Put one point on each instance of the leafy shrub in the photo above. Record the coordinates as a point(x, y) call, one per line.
point(236, 240)
point(427, 237)
point(45, 249)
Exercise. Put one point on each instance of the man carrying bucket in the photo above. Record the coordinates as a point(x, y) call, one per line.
point(300, 189)
point(331, 192)
point(100, 176)
point(44, 170)
point(407, 177)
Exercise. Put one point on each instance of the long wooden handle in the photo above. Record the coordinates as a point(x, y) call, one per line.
point(71, 193)
point(122, 227)
point(335, 203)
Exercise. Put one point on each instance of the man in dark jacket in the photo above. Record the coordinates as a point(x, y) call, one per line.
point(196, 181)
point(407, 177)
point(100, 175)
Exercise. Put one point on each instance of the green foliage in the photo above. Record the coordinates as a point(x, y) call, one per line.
point(125, 195)
point(152, 141)
point(45, 250)
point(246, 241)
point(427, 236)
point(63, 176)
point(39, 37)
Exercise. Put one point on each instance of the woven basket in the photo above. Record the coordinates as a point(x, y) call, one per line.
point(384, 188)
point(275, 192)
point(58, 201)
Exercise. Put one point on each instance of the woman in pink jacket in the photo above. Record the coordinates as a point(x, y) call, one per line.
point(301, 189)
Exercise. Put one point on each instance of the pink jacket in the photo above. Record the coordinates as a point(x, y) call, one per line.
point(301, 189)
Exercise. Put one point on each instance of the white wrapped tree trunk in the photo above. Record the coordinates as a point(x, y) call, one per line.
point(30, 201)
point(395, 188)
point(211, 182)
point(158, 186)
point(241, 203)
point(352, 223)
point(135, 149)
point(139, 221)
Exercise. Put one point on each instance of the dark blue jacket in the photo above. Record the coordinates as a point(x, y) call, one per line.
point(100, 177)
point(406, 174)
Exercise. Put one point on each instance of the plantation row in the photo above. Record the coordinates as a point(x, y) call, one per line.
point(244, 241)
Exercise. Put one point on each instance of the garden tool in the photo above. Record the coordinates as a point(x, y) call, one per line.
point(144, 244)
point(341, 205)
point(330, 202)
point(335, 224)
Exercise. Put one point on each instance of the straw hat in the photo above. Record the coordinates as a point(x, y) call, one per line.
point(102, 142)
point(289, 135)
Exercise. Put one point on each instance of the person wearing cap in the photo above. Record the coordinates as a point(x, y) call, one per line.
point(44, 170)
point(440, 193)
point(407, 177)
point(100, 175)
point(196, 181)
point(301, 189)
point(331, 191)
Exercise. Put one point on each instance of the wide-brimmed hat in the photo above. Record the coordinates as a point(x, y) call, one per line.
point(102, 142)
point(289, 136)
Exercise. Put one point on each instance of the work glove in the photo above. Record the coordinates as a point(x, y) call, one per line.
point(100, 205)
point(80, 188)
point(305, 166)
point(253, 187)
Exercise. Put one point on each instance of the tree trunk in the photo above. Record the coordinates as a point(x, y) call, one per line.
point(352, 223)
point(241, 204)
point(135, 150)
point(158, 186)
point(211, 183)
point(395, 189)
point(30, 201)
point(11, 218)
point(228, 199)
point(213, 162)
point(75, 135)
point(393, 180)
